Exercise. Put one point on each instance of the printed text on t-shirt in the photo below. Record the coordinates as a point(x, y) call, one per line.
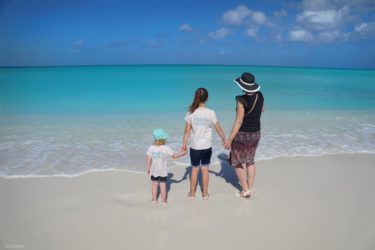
point(201, 121)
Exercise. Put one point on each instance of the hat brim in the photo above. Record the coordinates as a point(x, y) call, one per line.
point(249, 88)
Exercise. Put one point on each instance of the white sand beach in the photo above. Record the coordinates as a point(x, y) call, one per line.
point(325, 202)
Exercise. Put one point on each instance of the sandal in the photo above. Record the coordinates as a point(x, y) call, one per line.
point(244, 194)
point(205, 197)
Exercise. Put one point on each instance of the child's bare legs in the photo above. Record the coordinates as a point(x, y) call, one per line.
point(193, 180)
point(163, 191)
point(205, 179)
point(154, 190)
point(251, 170)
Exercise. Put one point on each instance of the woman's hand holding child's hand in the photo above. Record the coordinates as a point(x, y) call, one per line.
point(227, 144)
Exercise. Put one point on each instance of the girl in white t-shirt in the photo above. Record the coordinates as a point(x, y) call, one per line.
point(157, 155)
point(199, 123)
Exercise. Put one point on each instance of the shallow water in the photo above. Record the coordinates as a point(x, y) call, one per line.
point(65, 121)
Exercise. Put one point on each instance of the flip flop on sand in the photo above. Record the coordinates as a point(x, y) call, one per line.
point(244, 194)
point(205, 197)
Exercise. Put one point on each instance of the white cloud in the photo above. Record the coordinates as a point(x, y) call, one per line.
point(322, 19)
point(220, 33)
point(251, 32)
point(332, 36)
point(300, 35)
point(360, 27)
point(364, 31)
point(258, 17)
point(242, 15)
point(236, 16)
point(185, 27)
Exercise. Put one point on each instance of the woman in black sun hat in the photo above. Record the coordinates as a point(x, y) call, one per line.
point(244, 138)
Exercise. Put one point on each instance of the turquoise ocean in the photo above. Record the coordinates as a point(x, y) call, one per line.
point(71, 120)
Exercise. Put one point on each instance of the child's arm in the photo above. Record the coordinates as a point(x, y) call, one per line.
point(219, 131)
point(186, 135)
point(148, 164)
point(178, 155)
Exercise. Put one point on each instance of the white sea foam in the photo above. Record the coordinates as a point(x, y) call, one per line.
point(74, 146)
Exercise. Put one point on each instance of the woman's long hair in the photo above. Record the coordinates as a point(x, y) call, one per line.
point(201, 95)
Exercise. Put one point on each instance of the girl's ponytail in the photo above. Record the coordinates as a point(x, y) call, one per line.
point(201, 95)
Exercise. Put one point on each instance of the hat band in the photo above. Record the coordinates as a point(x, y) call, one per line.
point(247, 90)
point(248, 84)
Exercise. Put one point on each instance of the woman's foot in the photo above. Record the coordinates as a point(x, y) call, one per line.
point(154, 202)
point(205, 196)
point(246, 194)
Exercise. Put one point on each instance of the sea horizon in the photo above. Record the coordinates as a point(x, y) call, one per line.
point(187, 64)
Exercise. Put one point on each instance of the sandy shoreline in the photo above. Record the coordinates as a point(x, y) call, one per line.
point(324, 202)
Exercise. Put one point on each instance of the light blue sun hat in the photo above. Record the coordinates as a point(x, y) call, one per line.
point(160, 134)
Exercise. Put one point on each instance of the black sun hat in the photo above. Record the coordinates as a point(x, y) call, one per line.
point(247, 83)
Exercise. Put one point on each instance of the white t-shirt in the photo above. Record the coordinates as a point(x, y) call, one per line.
point(159, 155)
point(201, 120)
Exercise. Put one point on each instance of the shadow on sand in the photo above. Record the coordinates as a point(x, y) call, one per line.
point(227, 172)
point(171, 181)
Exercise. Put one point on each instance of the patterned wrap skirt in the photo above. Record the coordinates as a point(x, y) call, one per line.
point(243, 148)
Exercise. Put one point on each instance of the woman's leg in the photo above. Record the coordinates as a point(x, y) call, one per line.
point(251, 170)
point(163, 191)
point(154, 190)
point(193, 180)
point(241, 175)
point(205, 179)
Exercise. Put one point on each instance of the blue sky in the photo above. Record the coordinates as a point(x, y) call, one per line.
point(319, 33)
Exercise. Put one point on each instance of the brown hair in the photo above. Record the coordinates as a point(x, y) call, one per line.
point(201, 95)
point(160, 142)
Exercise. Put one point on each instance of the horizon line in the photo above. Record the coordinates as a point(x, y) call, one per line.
point(185, 64)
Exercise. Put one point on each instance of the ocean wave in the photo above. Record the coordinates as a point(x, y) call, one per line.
point(39, 151)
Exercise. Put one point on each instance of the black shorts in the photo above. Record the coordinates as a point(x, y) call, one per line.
point(159, 178)
point(201, 157)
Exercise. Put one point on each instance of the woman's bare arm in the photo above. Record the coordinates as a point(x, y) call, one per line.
point(237, 122)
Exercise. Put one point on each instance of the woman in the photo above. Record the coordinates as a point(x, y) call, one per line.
point(199, 123)
point(245, 135)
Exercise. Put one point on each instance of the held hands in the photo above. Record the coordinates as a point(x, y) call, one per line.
point(227, 144)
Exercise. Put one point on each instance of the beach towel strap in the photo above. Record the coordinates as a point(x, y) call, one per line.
point(256, 99)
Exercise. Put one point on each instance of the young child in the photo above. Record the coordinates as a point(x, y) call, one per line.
point(157, 155)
